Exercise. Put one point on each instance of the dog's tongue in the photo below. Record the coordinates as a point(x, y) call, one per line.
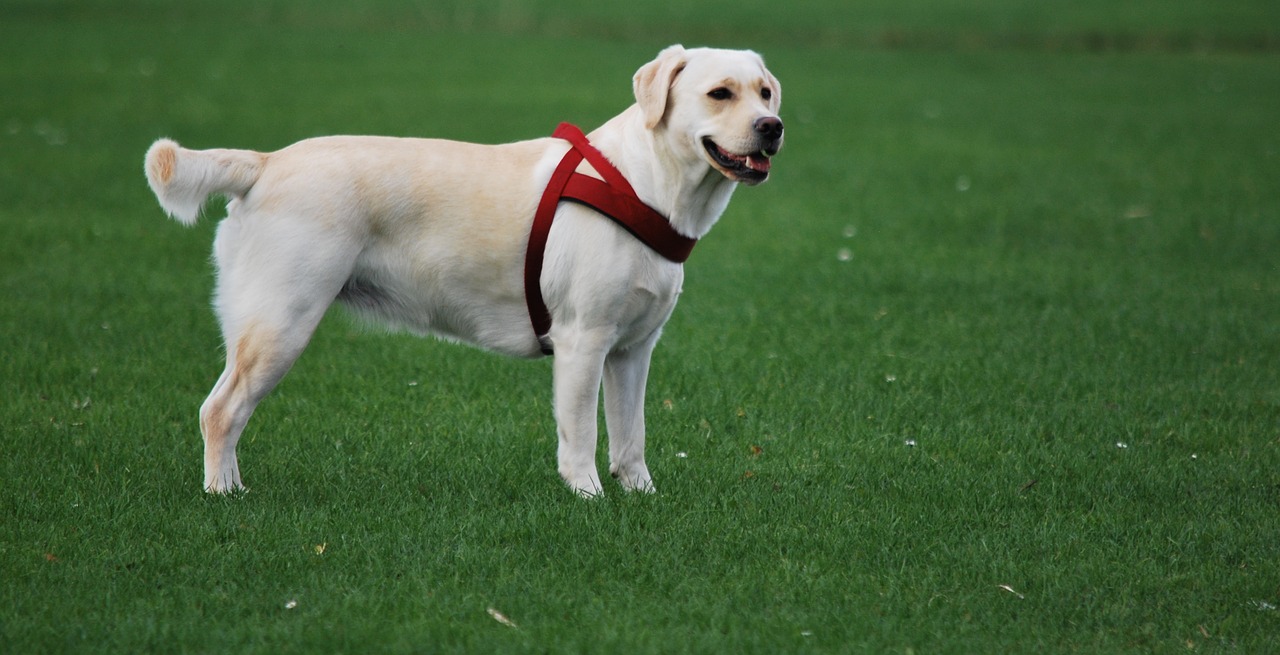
point(759, 163)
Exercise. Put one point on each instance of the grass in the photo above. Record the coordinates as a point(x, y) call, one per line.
point(988, 366)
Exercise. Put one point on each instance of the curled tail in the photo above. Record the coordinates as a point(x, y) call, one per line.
point(183, 179)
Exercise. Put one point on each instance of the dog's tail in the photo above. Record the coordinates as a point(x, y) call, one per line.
point(183, 179)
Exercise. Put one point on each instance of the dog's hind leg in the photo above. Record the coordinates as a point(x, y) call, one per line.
point(268, 314)
point(257, 359)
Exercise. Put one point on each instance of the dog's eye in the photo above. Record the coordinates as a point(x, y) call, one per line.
point(766, 93)
point(720, 93)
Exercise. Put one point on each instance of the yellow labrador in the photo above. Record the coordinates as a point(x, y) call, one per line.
point(430, 236)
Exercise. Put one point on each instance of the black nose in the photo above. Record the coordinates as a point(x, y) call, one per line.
point(769, 127)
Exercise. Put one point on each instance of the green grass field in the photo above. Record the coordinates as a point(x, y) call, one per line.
point(992, 364)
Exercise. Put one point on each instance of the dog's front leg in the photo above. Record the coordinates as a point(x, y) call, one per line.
point(579, 361)
point(625, 373)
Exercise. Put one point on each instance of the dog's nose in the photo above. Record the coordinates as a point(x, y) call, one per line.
point(769, 127)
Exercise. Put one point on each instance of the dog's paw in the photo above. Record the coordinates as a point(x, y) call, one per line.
point(644, 487)
point(586, 486)
point(633, 478)
point(224, 482)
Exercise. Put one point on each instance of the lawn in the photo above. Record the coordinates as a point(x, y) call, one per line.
point(989, 365)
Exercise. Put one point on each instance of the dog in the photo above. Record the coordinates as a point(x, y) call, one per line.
point(433, 237)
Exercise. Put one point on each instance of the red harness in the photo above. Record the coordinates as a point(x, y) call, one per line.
point(612, 197)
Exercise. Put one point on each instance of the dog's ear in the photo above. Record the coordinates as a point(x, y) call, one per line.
point(776, 101)
point(653, 83)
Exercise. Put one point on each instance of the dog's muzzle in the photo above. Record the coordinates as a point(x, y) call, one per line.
point(769, 128)
point(750, 167)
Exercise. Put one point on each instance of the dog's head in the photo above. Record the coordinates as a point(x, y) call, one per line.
point(720, 106)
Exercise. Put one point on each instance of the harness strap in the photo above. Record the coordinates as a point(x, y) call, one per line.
point(612, 197)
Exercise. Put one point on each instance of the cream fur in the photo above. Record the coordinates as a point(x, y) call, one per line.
point(430, 236)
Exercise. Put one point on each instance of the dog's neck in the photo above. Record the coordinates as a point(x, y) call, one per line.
point(701, 195)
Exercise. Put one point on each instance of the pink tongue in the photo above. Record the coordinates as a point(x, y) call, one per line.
point(756, 162)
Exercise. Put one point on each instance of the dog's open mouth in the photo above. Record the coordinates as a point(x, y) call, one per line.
point(751, 168)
